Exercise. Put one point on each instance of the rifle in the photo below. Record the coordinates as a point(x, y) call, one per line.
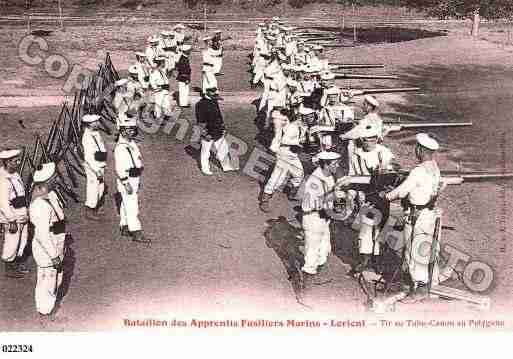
point(340, 75)
point(402, 126)
point(338, 65)
point(394, 178)
point(356, 92)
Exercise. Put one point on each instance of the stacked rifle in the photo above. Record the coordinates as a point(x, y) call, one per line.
point(63, 143)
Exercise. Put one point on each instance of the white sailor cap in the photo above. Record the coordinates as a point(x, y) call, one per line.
point(318, 47)
point(328, 156)
point(207, 38)
point(90, 118)
point(133, 70)
point(305, 111)
point(6, 154)
point(159, 59)
point(179, 26)
point(128, 122)
point(218, 32)
point(44, 172)
point(140, 54)
point(153, 40)
point(427, 141)
point(167, 33)
point(372, 100)
point(186, 48)
point(121, 82)
point(327, 75)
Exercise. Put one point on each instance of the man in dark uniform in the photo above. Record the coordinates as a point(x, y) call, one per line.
point(209, 117)
point(183, 68)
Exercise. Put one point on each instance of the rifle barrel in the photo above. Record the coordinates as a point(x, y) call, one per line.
point(337, 65)
point(390, 90)
point(434, 124)
point(339, 75)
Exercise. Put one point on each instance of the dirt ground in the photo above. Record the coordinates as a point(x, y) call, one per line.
point(209, 258)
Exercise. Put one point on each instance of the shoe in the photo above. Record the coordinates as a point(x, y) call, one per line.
point(229, 169)
point(137, 236)
point(264, 202)
point(207, 172)
point(124, 231)
point(91, 214)
point(12, 271)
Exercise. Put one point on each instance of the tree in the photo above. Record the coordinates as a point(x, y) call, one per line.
point(473, 9)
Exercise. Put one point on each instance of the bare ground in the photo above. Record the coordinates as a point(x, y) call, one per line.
point(209, 257)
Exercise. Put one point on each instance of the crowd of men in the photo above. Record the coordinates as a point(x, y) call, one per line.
point(306, 113)
point(300, 105)
point(144, 94)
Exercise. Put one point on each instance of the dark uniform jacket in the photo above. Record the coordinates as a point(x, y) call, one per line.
point(209, 113)
point(183, 68)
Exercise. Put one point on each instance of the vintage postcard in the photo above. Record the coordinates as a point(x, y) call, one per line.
point(241, 167)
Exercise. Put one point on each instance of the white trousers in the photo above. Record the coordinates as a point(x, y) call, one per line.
point(368, 237)
point(183, 94)
point(326, 141)
point(285, 165)
point(418, 247)
point(94, 189)
point(162, 102)
point(222, 154)
point(129, 209)
point(317, 241)
point(208, 79)
point(14, 243)
point(218, 64)
point(47, 285)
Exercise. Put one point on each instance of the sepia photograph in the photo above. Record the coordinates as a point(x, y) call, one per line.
point(244, 166)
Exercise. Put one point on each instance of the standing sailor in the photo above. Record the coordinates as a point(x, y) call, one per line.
point(183, 77)
point(13, 213)
point(47, 216)
point(209, 117)
point(286, 145)
point(421, 189)
point(315, 204)
point(95, 161)
point(129, 169)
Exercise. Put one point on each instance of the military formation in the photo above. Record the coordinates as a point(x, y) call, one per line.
point(338, 166)
point(356, 180)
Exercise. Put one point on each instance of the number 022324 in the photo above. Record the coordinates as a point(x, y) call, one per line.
point(17, 348)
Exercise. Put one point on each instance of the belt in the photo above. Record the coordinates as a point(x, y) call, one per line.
point(268, 78)
point(208, 64)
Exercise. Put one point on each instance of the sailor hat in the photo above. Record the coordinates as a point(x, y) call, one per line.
point(305, 111)
point(427, 141)
point(153, 40)
point(6, 154)
point(179, 26)
point(90, 118)
point(140, 54)
point(159, 59)
point(318, 47)
point(186, 48)
point(372, 100)
point(44, 172)
point(328, 156)
point(121, 82)
point(217, 31)
point(207, 38)
point(327, 75)
point(167, 33)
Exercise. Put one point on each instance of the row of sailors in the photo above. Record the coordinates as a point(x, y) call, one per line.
point(149, 79)
point(301, 98)
point(46, 208)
